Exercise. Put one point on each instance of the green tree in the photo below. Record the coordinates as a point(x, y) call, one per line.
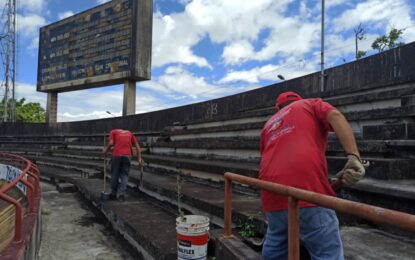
point(388, 41)
point(31, 112)
point(360, 54)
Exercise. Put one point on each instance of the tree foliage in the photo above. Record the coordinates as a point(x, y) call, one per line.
point(31, 112)
point(388, 41)
point(360, 54)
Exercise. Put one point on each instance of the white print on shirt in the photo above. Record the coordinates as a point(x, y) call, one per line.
point(274, 129)
point(276, 122)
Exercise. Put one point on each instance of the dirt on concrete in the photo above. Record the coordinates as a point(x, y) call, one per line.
point(70, 230)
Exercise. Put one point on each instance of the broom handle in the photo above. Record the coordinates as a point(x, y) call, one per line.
point(105, 166)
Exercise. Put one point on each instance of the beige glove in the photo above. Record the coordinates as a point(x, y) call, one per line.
point(353, 171)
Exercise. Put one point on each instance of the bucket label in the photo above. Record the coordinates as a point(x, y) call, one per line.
point(192, 247)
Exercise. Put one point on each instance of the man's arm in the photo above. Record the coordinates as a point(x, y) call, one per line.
point(343, 132)
point(354, 170)
point(106, 148)
point(138, 149)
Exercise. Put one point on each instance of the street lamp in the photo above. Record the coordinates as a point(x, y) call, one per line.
point(108, 112)
point(281, 77)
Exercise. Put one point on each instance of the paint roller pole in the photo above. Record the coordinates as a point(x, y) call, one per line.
point(105, 167)
point(104, 195)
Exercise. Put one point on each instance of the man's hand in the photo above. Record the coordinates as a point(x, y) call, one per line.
point(353, 171)
point(140, 161)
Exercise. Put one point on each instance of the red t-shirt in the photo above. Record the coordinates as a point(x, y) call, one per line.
point(293, 145)
point(122, 142)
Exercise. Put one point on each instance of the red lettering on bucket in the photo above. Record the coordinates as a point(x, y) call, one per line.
point(195, 240)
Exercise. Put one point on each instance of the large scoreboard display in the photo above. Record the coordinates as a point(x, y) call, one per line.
point(108, 44)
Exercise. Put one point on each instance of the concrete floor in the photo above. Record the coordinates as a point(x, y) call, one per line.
point(71, 231)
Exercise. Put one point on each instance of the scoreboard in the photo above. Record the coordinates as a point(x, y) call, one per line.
point(108, 44)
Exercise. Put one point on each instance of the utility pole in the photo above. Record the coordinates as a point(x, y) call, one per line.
point(322, 48)
point(359, 34)
point(9, 38)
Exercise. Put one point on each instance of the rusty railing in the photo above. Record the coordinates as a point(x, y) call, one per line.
point(375, 214)
point(30, 177)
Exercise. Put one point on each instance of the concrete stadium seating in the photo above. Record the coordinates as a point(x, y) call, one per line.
point(201, 149)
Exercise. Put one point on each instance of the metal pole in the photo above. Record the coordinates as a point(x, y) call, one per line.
point(293, 229)
point(322, 47)
point(378, 215)
point(228, 209)
point(13, 107)
point(7, 68)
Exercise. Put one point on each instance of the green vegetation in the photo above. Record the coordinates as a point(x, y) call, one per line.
point(388, 41)
point(25, 112)
point(360, 54)
point(247, 229)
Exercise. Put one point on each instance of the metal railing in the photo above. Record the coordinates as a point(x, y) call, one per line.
point(375, 214)
point(30, 177)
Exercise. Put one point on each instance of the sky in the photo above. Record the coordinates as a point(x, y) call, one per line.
point(206, 49)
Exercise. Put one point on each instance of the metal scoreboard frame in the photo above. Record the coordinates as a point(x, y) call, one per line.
point(108, 44)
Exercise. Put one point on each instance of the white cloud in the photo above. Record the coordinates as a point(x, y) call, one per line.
point(380, 13)
point(338, 47)
point(173, 38)
point(74, 106)
point(236, 25)
point(28, 91)
point(237, 51)
point(239, 27)
point(29, 25)
point(102, 1)
point(71, 104)
point(226, 21)
point(333, 3)
point(178, 83)
point(65, 15)
point(290, 68)
point(27, 5)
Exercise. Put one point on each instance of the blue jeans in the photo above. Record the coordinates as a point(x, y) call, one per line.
point(319, 233)
point(120, 168)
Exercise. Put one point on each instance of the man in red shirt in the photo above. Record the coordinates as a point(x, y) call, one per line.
point(293, 144)
point(122, 140)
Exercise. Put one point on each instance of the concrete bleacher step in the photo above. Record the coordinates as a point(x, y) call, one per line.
point(372, 244)
point(222, 154)
point(392, 194)
point(52, 172)
point(380, 168)
point(213, 166)
point(208, 201)
point(373, 97)
point(149, 229)
point(65, 161)
point(391, 131)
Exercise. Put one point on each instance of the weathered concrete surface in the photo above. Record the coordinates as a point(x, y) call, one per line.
point(367, 244)
point(150, 229)
point(71, 231)
point(231, 249)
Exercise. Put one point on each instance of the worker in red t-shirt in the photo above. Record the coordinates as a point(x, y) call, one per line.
point(293, 145)
point(122, 140)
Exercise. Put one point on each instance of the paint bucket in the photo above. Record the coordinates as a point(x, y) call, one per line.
point(104, 196)
point(192, 237)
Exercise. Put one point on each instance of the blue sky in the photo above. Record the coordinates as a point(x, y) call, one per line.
point(204, 49)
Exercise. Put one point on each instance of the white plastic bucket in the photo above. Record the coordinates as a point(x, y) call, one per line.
point(192, 237)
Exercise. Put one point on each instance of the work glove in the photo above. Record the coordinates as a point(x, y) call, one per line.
point(354, 170)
